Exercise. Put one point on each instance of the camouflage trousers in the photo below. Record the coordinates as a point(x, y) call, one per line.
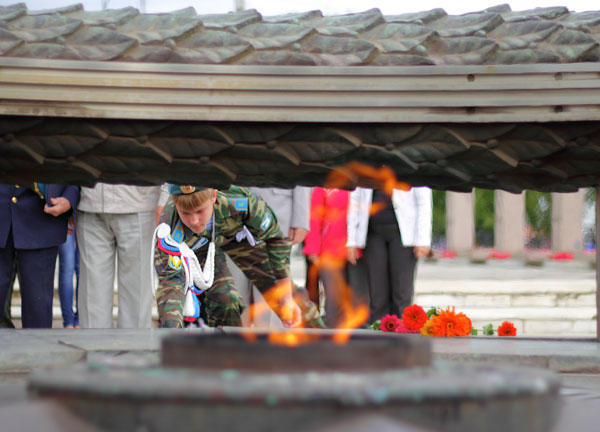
point(222, 305)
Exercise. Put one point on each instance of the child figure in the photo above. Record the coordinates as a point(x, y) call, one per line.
point(239, 224)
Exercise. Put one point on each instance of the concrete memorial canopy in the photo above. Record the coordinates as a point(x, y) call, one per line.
point(493, 99)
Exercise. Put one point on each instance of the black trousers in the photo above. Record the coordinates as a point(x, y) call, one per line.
point(348, 283)
point(391, 270)
point(36, 277)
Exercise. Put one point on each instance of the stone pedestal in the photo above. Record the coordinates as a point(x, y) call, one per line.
point(460, 224)
point(567, 210)
point(509, 224)
point(285, 393)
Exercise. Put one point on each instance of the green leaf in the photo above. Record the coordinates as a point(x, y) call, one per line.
point(375, 325)
point(488, 330)
point(431, 312)
point(474, 332)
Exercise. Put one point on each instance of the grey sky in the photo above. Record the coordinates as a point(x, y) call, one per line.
point(328, 7)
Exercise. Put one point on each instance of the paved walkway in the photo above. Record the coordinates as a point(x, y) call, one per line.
point(578, 361)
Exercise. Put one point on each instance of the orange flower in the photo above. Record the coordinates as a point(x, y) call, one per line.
point(389, 323)
point(450, 323)
point(507, 329)
point(414, 317)
point(427, 328)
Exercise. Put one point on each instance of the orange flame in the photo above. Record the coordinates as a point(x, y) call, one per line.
point(348, 175)
point(353, 313)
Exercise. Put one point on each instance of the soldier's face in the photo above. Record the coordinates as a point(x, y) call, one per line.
point(197, 218)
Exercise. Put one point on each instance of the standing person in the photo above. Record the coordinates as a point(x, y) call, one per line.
point(116, 221)
point(33, 222)
point(211, 223)
point(395, 236)
point(6, 321)
point(325, 249)
point(68, 265)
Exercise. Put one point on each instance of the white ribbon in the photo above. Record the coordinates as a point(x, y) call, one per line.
point(202, 278)
point(245, 234)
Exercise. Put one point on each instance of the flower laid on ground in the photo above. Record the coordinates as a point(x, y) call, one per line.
point(437, 322)
point(403, 329)
point(389, 323)
point(427, 329)
point(449, 323)
point(507, 329)
point(414, 317)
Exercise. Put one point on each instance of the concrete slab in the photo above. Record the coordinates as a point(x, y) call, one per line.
point(23, 350)
point(578, 360)
point(574, 356)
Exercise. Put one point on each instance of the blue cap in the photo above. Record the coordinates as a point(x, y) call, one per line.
point(184, 189)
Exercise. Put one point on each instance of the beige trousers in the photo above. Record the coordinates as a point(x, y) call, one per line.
point(106, 239)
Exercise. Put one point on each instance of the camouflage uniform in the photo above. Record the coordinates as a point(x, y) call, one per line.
point(264, 264)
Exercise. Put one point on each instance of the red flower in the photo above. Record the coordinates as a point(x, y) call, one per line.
point(403, 329)
point(414, 317)
point(507, 329)
point(389, 323)
point(450, 323)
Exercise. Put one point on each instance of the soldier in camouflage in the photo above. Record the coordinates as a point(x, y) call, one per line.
point(247, 230)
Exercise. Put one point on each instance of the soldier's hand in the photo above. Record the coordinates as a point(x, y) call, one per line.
point(291, 314)
point(59, 206)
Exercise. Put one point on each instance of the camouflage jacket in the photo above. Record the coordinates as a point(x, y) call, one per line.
point(235, 208)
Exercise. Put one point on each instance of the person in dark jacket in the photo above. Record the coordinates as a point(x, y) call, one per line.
point(33, 223)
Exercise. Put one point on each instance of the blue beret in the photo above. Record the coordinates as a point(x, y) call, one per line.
point(184, 189)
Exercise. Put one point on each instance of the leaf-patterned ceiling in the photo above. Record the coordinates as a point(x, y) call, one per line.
point(549, 156)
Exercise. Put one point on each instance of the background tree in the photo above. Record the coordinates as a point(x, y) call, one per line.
point(538, 210)
point(484, 217)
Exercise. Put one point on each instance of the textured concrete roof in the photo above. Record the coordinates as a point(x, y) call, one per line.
point(554, 155)
point(494, 36)
point(557, 157)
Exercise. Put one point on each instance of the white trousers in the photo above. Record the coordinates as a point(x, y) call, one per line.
point(102, 237)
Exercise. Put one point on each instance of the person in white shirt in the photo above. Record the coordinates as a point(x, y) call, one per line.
point(394, 237)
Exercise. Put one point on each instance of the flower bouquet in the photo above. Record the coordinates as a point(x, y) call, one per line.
point(437, 322)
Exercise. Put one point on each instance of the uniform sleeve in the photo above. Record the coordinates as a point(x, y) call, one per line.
point(263, 225)
point(72, 194)
point(423, 202)
point(170, 293)
point(358, 217)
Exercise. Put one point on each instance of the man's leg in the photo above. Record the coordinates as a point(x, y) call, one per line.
point(97, 273)
point(358, 279)
point(336, 296)
point(66, 268)
point(7, 267)
point(133, 232)
point(377, 263)
point(402, 262)
point(36, 278)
